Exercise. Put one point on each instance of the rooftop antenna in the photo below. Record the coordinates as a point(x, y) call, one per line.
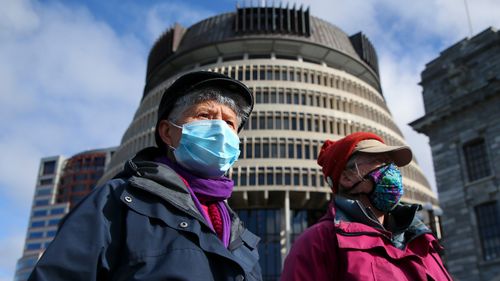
point(468, 18)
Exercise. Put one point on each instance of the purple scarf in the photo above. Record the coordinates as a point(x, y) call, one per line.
point(207, 191)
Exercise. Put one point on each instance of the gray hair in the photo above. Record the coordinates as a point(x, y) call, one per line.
point(222, 96)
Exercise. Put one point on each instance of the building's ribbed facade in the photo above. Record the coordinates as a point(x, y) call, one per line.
point(461, 91)
point(310, 81)
point(61, 184)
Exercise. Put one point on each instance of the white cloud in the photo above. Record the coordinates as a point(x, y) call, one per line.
point(406, 36)
point(17, 17)
point(68, 82)
point(400, 77)
point(11, 246)
point(445, 20)
point(70, 76)
point(351, 17)
point(410, 35)
point(484, 13)
point(162, 16)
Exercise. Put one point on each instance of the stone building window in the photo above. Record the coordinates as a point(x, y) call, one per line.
point(476, 159)
point(488, 222)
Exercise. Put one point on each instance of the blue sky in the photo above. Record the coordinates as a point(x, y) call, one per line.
point(72, 74)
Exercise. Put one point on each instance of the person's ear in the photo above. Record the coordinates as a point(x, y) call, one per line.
point(165, 132)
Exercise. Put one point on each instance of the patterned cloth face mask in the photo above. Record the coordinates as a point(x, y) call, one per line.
point(388, 187)
point(207, 148)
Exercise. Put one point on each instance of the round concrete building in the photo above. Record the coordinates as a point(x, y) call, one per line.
point(311, 82)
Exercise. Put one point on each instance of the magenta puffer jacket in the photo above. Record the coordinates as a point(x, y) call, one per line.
point(336, 249)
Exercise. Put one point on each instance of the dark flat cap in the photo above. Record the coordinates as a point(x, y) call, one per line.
point(195, 80)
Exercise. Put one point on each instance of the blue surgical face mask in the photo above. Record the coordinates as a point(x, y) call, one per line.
point(207, 148)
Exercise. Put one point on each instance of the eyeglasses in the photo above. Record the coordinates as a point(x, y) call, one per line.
point(355, 166)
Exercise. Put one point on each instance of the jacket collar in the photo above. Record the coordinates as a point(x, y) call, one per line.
point(402, 224)
point(354, 211)
point(160, 180)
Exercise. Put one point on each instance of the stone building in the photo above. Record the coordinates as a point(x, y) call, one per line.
point(461, 91)
point(311, 81)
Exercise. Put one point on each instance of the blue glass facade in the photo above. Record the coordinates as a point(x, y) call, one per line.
point(268, 225)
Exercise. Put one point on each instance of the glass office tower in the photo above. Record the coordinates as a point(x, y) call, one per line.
point(61, 184)
point(45, 215)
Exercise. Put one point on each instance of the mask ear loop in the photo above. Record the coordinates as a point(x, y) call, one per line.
point(175, 125)
point(357, 171)
point(362, 178)
point(171, 148)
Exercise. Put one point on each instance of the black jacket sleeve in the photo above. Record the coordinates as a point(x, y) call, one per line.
point(88, 240)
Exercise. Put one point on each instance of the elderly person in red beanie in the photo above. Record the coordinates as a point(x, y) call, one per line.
point(366, 234)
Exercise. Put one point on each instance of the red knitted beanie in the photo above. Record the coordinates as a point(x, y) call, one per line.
point(334, 155)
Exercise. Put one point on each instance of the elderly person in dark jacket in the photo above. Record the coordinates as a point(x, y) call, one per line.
point(165, 216)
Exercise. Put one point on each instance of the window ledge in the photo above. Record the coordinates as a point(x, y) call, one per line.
point(478, 181)
point(490, 263)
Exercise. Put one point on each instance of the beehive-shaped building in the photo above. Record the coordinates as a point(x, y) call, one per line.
point(311, 82)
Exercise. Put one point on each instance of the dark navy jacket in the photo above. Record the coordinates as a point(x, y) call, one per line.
point(145, 226)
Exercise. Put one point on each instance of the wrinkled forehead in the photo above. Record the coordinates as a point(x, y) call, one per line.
point(219, 94)
point(210, 107)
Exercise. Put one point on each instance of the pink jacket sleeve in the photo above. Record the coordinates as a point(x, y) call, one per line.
point(313, 255)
